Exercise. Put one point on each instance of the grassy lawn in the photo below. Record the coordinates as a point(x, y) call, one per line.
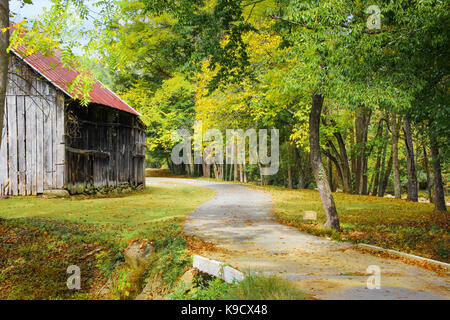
point(40, 237)
point(396, 224)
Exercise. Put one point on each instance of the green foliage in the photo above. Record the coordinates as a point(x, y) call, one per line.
point(215, 289)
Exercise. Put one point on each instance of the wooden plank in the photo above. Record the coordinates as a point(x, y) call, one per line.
point(48, 148)
point(30, 118)
point(53, 121)
point(21, 151)
point(143, 161)
point(12, 145)
point(96, 153)
point(4, 155)
point(39, 147)
point(127, 143)
point(135, 160)
point(60, 142)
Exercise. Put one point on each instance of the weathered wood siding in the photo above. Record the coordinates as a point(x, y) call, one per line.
point(51, 142)
point(105, 148)
point(31, 156)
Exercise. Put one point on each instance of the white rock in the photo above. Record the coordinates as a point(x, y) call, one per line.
point(208, 266)
point(231, 275)
point(217, 269)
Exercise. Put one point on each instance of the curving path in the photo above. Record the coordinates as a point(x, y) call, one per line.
point(240, 220)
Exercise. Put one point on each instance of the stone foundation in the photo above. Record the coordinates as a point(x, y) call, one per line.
point(103, 190)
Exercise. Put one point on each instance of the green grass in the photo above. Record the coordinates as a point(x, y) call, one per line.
point(253, 287)
point(391, 223)
point(257, 287)
point(41, 237)
point(121, 218)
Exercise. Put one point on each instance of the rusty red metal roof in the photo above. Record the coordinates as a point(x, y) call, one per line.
point(51, 68)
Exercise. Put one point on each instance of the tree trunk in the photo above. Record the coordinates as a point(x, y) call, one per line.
point(192, 167)
point(377, 175)
point(338, 168)
point(361, 128)
point(382, 172)
point(330, 175)
point(439, 197)
point(261, 174)
point(169, 164)
point(236, 166)
point(383, 186)
point(301, 170)
point(346, 174)
point(290, 182)
point(410, 163)
point(317, 165)
point(395, 165)
point(4, 58)
point(427, 170)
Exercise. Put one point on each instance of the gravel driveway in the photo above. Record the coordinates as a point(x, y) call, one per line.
point(240, 219)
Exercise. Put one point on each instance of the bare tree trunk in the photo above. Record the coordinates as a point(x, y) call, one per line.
point(383, 186)
point(330, 175)
point(410, 163)
point(361, 128)
point(320, 174)
point(395, 165)
point(290, 182)
point(364, 190)
point(192, 167)
point(216, 171)
point(236, 166)
point(381, 182)
point(334, 182)
point(346, 175)
point(241, 173)
point(169, 164)
point(4, 58)
point(439, 197)
point(261, 174)
point(301, 170)
point(377, 175)
point(353, 159)
point(427, 170)
point(382, 172)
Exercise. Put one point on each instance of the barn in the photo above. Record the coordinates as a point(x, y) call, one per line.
point(52, 142)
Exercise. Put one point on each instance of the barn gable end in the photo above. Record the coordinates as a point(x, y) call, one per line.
point(32, 146)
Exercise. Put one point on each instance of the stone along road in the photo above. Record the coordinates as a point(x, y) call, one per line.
point(240, 219)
